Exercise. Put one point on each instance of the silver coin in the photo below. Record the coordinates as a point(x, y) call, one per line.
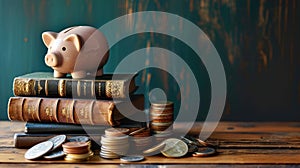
point(133, 158)
point(38, 150)
point(55, 154)
point(58, 141)
point(79, 139)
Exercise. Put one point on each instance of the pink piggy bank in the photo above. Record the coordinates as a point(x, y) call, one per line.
point(79, 51)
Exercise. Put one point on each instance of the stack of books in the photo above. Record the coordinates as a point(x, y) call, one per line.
point(52, 106)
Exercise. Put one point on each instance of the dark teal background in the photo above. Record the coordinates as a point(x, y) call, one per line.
point(258, 42)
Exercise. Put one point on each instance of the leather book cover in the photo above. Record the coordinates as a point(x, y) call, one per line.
point(43, 84)
point(74, 111)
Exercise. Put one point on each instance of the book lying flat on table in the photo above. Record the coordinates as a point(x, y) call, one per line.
point(43, 84)
point(74, 111)
point(59, 128)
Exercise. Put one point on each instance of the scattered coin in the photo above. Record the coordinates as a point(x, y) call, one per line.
point(38, 150)
point(55, 154)
point(134, 158)
point(155, 148)
point(192, 148)
point(174, 148)
point(57, 141)
point(202, 152)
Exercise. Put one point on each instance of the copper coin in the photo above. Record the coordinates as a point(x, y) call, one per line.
point(75, 145)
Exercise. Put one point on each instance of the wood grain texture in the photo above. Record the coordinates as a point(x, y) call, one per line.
point(239, 144)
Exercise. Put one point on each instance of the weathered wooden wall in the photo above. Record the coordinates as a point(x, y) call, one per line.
point(257, 41)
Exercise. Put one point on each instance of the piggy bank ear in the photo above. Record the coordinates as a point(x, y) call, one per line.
point(48, 37)
point(75, 40)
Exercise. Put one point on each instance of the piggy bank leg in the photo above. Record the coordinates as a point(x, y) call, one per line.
point(99, 72)
point(78, 74)
point(57, 74)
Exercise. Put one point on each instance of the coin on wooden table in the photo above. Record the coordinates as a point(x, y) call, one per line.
point(38, 150)
point(55, 154)
point(203, 152)
point(174, 148)
point(133, 158)
point(57, 141)
point(116, 131)
point(155, 148)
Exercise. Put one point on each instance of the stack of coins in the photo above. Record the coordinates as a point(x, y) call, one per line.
point(141, 139)
point(81, 139)
point(114, 143)
point(76, 151)
point(161, 116)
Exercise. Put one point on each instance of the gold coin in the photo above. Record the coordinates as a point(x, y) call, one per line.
point(78, 156)
point(174, 148)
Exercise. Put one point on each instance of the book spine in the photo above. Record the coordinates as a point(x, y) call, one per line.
point(104, 89)
point(75, 111)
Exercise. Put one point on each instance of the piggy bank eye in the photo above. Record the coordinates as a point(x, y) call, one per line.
point(64, 48)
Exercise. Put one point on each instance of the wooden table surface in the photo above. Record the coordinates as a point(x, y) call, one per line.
point(239, 143)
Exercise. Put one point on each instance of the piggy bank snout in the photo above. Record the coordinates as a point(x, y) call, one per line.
point(52, 59)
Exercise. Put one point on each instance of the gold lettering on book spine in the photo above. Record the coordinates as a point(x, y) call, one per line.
point(78, 88)
point(93, 88)
point(24, 87)
point(62, 88)
point(49, 112)
point(46, 87)
point(65, 112)
point(40, 88)
point(114, 88)
point(84, 88)
point(83, 113)
point(99, 89)
point(31, 111)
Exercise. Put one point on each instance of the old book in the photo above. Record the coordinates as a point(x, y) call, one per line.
point(43, 84)
point(74, 111)
point(60, 128)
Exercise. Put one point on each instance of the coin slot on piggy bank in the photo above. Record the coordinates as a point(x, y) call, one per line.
point(80, 51)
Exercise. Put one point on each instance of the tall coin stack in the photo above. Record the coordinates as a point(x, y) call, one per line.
point(77, 151)
point(161, 119)
point(141, 139)
point(114, 143)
